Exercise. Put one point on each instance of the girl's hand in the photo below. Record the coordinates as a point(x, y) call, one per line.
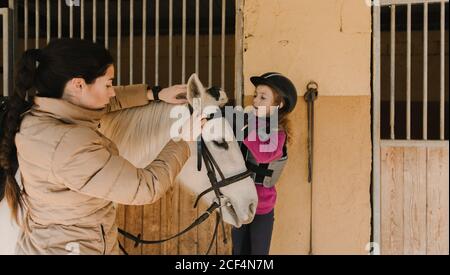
point(174, 95)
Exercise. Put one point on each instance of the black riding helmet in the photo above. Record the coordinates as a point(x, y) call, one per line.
point(282, 85)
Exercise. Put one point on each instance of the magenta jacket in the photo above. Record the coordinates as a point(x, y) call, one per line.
point(266, 196)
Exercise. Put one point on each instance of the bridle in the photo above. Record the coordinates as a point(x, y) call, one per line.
point(220, 201)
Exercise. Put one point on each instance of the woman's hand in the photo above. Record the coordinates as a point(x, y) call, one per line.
point(190, 131)
point(174, 95)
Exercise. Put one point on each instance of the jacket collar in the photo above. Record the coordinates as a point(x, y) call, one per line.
point(66, 111)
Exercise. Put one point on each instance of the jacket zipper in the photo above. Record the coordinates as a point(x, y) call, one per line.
point(104, 239)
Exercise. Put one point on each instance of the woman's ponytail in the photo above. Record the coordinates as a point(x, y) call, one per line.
point(43, 72)
point(18, 103)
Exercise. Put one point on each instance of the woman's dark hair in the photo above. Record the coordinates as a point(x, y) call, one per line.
point(44, 72)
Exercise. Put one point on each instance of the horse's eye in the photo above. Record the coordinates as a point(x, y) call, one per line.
point(221, 144)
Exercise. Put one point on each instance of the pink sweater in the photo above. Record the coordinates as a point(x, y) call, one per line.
point(266, 196)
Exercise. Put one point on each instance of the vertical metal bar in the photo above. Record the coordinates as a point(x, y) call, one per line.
point(82, 19)
point(392, 99)
point(425, 73)
point(222, 63)
point(408, 72)
point(376, 190)
point(239, 54)
point(6, 50)
point(37, 23)
point(210, 43)
point(48, 22)
point(131, 39)
point(144, 40)
point(25, 35)
point(197, 35)
point(59, 20)
point(107, 24)
point(71, 20)
point(119, 40)
point(183, 42)
point(442, 85)
point(13, 38)
point(94, 20)
point(157, 42)
point(170, 42)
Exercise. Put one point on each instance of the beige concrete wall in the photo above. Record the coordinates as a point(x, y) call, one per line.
point(327, 41)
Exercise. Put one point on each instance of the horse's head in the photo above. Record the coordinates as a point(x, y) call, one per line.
point(141, 132)
point(212, 96)
point(240, 198)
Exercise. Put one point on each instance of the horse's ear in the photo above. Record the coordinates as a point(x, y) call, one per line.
point(195, 88)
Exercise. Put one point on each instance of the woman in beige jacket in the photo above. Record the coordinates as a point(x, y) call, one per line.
point(71, 174)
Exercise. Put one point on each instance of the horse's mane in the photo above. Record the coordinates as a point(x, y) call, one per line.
point(130, 128)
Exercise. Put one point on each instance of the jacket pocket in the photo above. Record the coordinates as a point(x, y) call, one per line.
point(103, 238)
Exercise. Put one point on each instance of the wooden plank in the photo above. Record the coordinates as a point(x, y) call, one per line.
point(392, 201)
point(169, 220)
point(120, 221)
point(151, 228)
point(188, 214)
point(415, 200)
point(437, 198)
point(133, 224)
point(205, 232)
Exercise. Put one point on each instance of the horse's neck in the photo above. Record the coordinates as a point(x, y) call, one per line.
point(140, 133)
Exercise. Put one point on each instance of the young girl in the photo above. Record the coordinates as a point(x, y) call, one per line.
point(265, 153)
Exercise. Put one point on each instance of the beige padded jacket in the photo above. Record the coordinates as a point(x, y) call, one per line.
point(72, 175)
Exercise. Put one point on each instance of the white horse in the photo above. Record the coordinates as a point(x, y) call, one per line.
point(140, 134)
